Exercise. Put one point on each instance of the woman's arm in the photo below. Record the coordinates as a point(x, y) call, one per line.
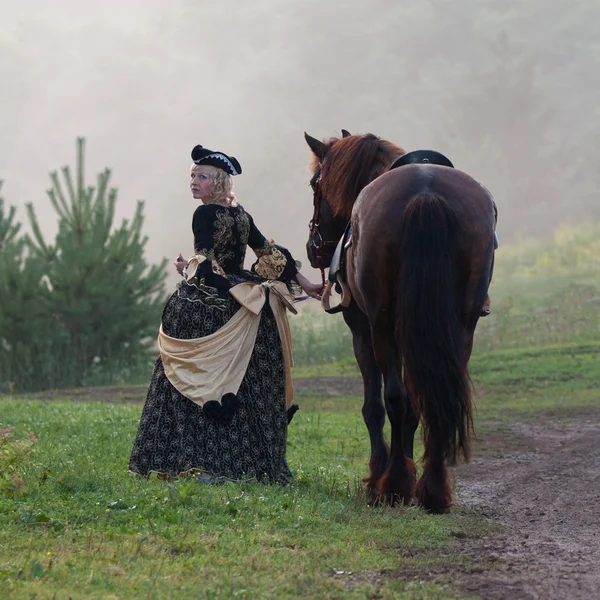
point(314, 290)
point(269, 253)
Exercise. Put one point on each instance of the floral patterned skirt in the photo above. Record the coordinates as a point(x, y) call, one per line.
point(175, 436)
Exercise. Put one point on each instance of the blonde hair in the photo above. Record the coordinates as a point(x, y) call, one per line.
point(222, 184)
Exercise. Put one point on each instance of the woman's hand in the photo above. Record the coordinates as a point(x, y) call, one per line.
point(180, 263)
point(314, 290)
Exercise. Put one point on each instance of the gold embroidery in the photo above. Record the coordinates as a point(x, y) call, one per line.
point(266, 249)
point(271, 266)
point(210, 255)
point(222, 237)
point(243, 225)
point(217, 268)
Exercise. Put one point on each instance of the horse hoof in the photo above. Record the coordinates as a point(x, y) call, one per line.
point(434, 499)
point(434, 508)
point(373, 499)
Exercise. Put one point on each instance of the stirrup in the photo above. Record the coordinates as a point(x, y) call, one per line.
point(326, 297)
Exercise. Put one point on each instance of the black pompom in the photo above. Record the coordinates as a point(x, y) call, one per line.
point(229, 400)
point(222, 412)
point(229, 405)
point(212, 409)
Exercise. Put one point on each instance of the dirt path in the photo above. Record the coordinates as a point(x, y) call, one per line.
point(548, 499)
point(315, 385)
point(542, 485)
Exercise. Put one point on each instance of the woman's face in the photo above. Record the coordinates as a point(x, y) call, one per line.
point(201, 182)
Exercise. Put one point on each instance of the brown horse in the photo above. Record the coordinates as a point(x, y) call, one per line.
point(418, 270)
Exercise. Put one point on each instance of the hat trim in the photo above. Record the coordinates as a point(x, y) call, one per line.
point(219, 156)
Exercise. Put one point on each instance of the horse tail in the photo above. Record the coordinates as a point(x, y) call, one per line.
point(428, 329)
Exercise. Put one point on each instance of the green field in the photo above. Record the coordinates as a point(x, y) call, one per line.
point(75, 524)
point(73, 521)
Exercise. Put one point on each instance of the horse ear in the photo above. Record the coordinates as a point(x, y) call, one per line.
point(346, 133)
point(317, 146)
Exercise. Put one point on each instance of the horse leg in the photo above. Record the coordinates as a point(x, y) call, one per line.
point(434, 489)
point(372, 410)
point(398, 482)
point(411, 422)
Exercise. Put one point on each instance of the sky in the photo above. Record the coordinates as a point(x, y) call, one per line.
point(145, 81)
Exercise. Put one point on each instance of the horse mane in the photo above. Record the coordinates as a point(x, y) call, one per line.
point(351, 163)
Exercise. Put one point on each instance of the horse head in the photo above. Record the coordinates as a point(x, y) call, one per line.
point(341, 168)
point(325, 228)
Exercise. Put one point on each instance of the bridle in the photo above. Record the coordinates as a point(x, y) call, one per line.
point(323, 249)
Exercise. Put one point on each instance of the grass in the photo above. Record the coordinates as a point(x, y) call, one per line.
point(561, 312)
point(556, 379)
point(77, 525)
point(74, 524)
point(82, 526)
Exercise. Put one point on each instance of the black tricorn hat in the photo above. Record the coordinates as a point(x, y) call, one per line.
point(204, 156)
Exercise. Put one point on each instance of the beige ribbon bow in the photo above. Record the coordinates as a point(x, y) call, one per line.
point(193, 263)
point(207, 368)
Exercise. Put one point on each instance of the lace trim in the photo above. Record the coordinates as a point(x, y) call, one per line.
point(208, 297)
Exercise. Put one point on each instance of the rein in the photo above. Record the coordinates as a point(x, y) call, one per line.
point(317, 243)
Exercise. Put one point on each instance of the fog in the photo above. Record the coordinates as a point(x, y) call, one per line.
point(508, 90)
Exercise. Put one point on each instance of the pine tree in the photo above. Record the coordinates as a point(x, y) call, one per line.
point(29, 344)
point(11, 251)
point(100, 290)
point(8, 228)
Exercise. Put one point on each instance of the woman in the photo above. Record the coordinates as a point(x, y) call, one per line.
point(219, 400)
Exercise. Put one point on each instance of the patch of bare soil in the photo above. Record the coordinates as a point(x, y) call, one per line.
point(548, 500)
point(101, 394)
point(317, 385)
point(339, 386)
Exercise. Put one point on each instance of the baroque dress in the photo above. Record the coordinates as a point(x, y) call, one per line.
point(227, 430)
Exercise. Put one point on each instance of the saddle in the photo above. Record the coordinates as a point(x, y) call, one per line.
point(431, 157)
point(337, 268)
